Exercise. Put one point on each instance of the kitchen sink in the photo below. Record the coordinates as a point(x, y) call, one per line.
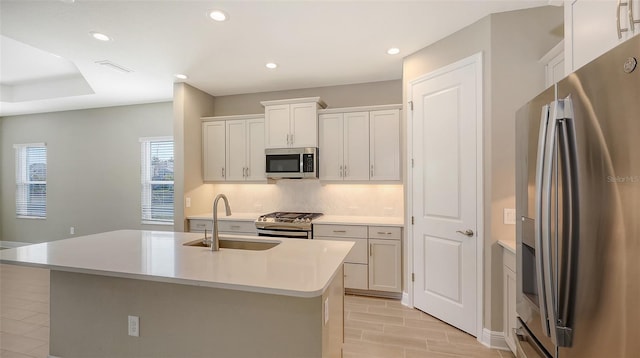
point(237, 244)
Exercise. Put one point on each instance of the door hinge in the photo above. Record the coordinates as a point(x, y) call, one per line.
point(411, 105)
point(413, 221)
point(413, 277)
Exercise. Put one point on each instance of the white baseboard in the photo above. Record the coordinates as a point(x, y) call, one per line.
point(405, 300)
point(13, 244)
point(493, 339)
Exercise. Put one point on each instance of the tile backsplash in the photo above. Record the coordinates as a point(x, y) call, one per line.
point(312, 196)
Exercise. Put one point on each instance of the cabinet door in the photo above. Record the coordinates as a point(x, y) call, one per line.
point(385, 265)
point(236, 149)
point(304, 125)
point(276, 121)
point(356, 146)
point(213, 148)
point(331, 146)
point(591, 29)
point(509, 311)
point(384, 153)
point(255, 150)
point(355, 276)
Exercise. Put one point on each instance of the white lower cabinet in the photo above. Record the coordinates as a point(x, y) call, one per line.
point(509, 319)
point(375, 262)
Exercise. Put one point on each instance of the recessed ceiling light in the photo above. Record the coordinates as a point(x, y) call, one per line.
point(180, 76)
point(99, 36)
point(393, 51)
point(271, 65)
point(218, 15)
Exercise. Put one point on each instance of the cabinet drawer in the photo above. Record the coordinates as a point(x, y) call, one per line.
point(356, 276)
point(196, 225)
point(359, 253)
point(248, 227)
point(385, 232)
point(340, 231)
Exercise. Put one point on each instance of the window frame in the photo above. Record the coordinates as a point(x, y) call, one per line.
point(146, 206)
point(23, 183)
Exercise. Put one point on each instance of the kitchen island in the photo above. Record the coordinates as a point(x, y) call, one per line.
point(286, 301)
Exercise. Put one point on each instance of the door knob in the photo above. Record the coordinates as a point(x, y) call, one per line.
point(466, 232)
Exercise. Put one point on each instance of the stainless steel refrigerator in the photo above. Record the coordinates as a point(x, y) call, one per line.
point(578, 210)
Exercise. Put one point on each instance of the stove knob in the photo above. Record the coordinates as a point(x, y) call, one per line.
point(308, 220)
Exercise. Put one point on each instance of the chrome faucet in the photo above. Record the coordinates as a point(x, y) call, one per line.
point(215, 239)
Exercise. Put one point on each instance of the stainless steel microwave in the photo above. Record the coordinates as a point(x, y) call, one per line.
point(291, 163)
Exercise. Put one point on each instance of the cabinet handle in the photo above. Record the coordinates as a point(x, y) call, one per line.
point(223, 172)
point(341, 174)
point(384, 233)
point(372, 170)
point(618, 8)
point(248, 172)
point(370, 249)
point(346, 171)
point(235, 226)
point(340, 231)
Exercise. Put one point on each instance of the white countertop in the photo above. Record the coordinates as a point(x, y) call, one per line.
point(509, 244)
point(302, 268)
point(360, 220)
point(324, 219)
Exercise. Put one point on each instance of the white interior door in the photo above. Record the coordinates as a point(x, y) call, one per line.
point(444, 203)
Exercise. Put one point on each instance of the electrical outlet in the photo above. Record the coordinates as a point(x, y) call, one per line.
point(72, 230)
point(187, 202)
point(326, 310)
point(509, 216)
point(134, 326)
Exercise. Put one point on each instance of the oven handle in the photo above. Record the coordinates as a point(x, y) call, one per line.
point(284, 233)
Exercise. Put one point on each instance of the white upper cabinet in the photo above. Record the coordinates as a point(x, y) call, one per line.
point(213, 151)
point(292, 123)
point(233, 149)
point(344, 143)
point(360, 143)
point(594, 27)
point(384, 144)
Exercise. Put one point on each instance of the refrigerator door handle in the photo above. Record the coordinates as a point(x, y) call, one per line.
point(547, 218)
point(570, 215)
point(542, 142)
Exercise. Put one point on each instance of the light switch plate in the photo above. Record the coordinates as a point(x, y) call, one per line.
point(509, 216)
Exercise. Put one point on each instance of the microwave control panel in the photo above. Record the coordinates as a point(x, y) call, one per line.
point(307, 163)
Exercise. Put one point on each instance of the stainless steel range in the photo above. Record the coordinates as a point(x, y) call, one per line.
point(287, 224)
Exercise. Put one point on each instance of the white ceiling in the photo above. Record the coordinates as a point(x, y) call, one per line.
point(315, 43)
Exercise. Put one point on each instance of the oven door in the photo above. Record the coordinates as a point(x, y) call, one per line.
point(285, 232)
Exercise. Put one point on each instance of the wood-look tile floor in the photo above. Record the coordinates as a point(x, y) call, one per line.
point(377, 327)
point(374, 327)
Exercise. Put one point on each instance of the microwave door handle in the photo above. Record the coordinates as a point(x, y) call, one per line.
point(540, 161)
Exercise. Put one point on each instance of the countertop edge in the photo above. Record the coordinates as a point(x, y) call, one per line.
point(508, 244)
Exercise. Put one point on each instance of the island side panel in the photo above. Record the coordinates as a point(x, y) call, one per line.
point(333, 330)
point(89, 318)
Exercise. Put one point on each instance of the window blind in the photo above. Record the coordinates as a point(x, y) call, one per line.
point(31, 180)
point(157, 180)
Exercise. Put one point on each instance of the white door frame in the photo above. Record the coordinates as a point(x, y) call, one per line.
point(475, 60)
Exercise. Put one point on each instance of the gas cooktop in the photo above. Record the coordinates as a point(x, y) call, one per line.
point(289, 220)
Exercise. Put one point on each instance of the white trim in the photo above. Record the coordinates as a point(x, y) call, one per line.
point(405, 300)
point(13, 244)
point(555, 51)
point(493, 339)
point(477, 61)
point(382, 107)
point(156, 139)
point(232, 117)
point(22, 145)
point(317, 100)
point(163, 223)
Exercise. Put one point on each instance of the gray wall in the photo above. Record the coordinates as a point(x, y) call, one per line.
point(93, 160)
point(189, 105)
point(511, 44)
point(363, 94)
